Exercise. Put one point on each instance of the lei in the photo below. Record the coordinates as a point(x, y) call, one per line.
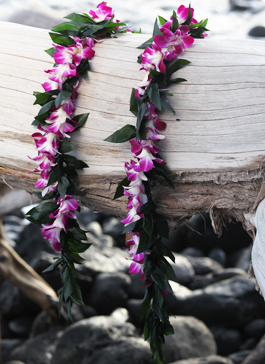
point(72, 50)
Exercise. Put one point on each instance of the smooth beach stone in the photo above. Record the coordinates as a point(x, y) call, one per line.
point(257, 356)
point(192, 252)
point(89, 337)
point(21, 326)
point(137, 288)
point(7, 345)
point(233, 301)
point(238, 358)
point(228, 340)
point(240, 259)
point(204, 265)
point(258, 31)
point(212, 359)
point(37, 350)
point(108, 292)
point(130, 350)
point(192, 338)
point(204, 281)
point(183, 269)
point(218, 255)
point(94, 228)
point(120, 314)
point(255, 329)
point(114, 227)
point(134, 308)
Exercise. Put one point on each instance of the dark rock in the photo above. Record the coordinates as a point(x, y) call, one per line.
point(100, 259)
point(258, 31)
point(112, 226)
point(120, 314)
point(212, 359)
point(191, 339)
point(192, 252)
point(238, 358)
point(21, 326)
point(179, 293)
point(85, 216)
point(89, 337)
point(108, 292)
point(228, 340)
point(204, 281)
point(204, 265)
point(88, 311)
point(255, 329)
point(240, 259)
point(249, 344)
point(15, 362)
point(183, 269)
point(37, 350)
point(134, 309)
point(218, 255)
point(31, 243)
point(107, 240)
point(257, 356)
point(13, 303)
point(7, 345)
point(137, 288)
point(130, 350)
point(233, 302)
point(13, 225)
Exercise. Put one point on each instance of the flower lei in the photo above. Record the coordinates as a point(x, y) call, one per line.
point(73, 43)
point(72, 49)
point(145, 227)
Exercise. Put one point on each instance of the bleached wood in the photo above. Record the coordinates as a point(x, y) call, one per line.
point(214, 145)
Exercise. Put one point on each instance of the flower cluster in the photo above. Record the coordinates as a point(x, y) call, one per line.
point(57, 127)
point(166, 46)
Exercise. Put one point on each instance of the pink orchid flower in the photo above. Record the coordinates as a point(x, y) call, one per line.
point(47, 143)
point(59, 124)
point(66, 207)
point(182, 14)
point(103, 12)
point(61, 72)
point(153, 59)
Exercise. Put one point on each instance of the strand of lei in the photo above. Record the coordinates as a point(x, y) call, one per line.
point(143, 225)
point(73, 43)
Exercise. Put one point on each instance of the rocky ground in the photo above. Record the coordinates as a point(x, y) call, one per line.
point(217, 315)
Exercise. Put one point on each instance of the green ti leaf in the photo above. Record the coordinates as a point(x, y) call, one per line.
point(119, 191)
point(62, 39)
point(122, 135)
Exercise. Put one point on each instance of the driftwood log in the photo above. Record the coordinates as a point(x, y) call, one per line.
point(214, 145)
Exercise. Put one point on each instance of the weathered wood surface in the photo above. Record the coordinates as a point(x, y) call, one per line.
point(214, 146)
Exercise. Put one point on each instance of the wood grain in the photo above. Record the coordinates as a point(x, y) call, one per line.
point(214, 145)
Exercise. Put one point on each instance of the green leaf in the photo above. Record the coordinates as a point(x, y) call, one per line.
point(156, 30)
point(120, 189)
point(163, 250)
point(51, 51)
point(133, 103)
point(161, 225)
point(80, 18)
point(122, 135)
point(161, 280)
point(83, 68)
point(142, 131)
point(66, 146)
point(48, 196)
point(53, 266)
point(78, 246)
point(189, 17)
point(74, 162)
point(55, 174)
point(168, 328)
point(63, 95)
point(41, 98)
point(145, 305)
point(166, 106)
point(167, 269)
point(78, 234)
point(148, 225)
point(176, 80)
point(129, 227)
point(81, 120)
point(63, 184)
point(65, 26)
point(175, 24)
point(144, 243)
point(42, 211)
point(175, 65)
point(148, 43)
point(68, 287)
point(61, 39)
point(154, 95)
point(77, 295)
point(162, 20)
point(146, 331)
point(46, 107)
point(142, 110)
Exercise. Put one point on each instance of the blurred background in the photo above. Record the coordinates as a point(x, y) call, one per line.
point(219, 318)
point(227, 18)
